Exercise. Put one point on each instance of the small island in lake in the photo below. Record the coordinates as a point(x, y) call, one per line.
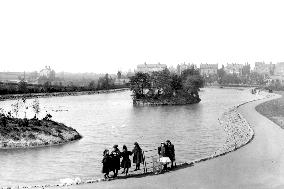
point(166, 88)
point(24, 133)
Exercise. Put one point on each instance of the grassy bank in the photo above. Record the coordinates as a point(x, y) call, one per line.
point(25, 133)
point(273, 110)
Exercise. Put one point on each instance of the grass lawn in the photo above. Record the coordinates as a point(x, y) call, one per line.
point(273, 110)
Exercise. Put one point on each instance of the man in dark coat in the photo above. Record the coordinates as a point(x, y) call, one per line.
point(171, 152)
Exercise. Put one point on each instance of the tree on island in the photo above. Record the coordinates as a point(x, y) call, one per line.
point(163, 85)
point(138, 83)
point(162, 82)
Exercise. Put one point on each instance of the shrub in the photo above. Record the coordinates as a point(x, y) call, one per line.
point(23, 122)
point(47, 117)
point(31, 136)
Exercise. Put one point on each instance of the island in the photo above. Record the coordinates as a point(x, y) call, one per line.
point(166, 88)
point(26, 133)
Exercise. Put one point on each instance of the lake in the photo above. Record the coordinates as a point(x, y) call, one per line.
point(108, 119)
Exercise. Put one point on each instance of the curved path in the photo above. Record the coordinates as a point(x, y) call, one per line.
point(260, 164)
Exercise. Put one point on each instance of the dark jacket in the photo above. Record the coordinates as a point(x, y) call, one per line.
point(171, 152)
point(137, 155)
point(106, 164)
point(115, 159)
point(125, 163)
point(162, 151)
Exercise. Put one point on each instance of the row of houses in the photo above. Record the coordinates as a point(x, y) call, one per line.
point(211, 69)
point(205, 69)
point(272, 72)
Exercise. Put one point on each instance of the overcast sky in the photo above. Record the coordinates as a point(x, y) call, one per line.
point(107, 35)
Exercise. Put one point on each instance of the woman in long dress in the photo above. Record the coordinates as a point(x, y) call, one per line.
point(171, 152)
point(125, 163)
point(106, 163)
point(164, 159)
point(137, 156)
point(115, 155)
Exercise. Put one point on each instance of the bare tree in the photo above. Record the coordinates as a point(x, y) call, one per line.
point(36, 107)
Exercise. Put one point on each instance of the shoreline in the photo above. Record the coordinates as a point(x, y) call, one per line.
point(36, 134)
point(244, 168)
point(246, 135)
point(58, 94)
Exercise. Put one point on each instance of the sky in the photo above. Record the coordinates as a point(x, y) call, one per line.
point(110, 35)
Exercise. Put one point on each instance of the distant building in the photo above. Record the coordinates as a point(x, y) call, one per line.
point(182, 67)
point(148, 68)
point(11, 77)
point(234, 68)
point(121, 81)
point(262, 68)
point(45, 72)
point(208, 69)
point(275, 78)
point(279, 69)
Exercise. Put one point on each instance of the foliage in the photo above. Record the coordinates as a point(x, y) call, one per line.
point(47, 117)
point(191, 80)
point(16, 107)
point(36, 107)
point(3, 120)
point(48, 87)
point(165, 85)
point(23, 122)
point(105, 82)
point(176, 83)
point(92, 85)
point(138, 83)
point(22, 86)
point(162, 82)
point(221, 74)
point(25, 106)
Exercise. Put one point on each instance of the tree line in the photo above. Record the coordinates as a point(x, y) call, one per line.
point(103, 83)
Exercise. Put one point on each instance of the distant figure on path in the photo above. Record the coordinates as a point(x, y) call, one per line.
point(164, 159)
point(171, 152)
point(137, 156)
point(115, 155)
point(106, 163)
point(125, 163)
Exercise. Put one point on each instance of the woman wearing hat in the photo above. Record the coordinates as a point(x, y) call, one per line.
point(115, 154)
point(106, 163)
point(164, 159)
point(171, 151)
point(137, 156)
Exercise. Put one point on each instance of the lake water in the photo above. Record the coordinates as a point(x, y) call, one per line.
point(108, 119)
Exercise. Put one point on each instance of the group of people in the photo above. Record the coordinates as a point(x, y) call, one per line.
point(111, 161)
point(167, 154)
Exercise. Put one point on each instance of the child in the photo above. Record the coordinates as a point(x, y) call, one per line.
point(125, 163)
point(106, 163)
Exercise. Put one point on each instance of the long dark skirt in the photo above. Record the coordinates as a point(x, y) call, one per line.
point(125, 163)
point(115, 164)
